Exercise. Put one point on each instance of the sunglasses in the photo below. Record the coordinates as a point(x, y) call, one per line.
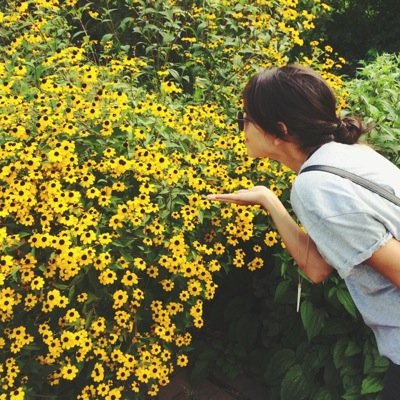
point(242, 121)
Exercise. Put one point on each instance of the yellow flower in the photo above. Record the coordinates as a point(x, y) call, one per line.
point(103, 389)
point(105, 238)
point(130, 278)
point(182, 360)
point(37, 283)
point(82, 297)
point(256, 263)
point(184, 295)
point(69, 372)
point(102, 261)
point(139, 263)
point(271, 238)
point(68, 340)
point(98, 326)
point(72, 315)
point(169, 87)
point(120, 297)
point(194, 287)
point(30, 301)
point(88, 237)
point(107, 277)
point(97, 373)
point(123, 374)
point(167, 285)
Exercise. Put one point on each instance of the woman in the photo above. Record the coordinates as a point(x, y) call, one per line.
point(290, 116)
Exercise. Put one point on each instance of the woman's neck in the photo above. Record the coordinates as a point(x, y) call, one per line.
point(292, 156)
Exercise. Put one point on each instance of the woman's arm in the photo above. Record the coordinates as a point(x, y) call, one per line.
point(298, 243)
point(386, 260)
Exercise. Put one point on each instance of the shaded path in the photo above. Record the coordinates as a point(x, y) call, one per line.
point(215, 388)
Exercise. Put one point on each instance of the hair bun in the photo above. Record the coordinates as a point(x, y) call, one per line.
point(349, 130)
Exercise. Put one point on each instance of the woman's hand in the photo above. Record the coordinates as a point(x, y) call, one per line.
point(258, 195)
point(298, 243)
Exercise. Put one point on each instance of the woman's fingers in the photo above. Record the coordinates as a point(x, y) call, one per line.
point(225, 198)
point(237, 198)
point(221, 197)
point(230, 196)
point(253, 196)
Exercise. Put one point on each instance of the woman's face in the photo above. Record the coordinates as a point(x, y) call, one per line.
point(259, 143)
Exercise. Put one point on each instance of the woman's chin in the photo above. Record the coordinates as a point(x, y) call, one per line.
point(253, 154)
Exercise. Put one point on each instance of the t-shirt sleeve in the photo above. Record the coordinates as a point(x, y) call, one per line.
point(345, 233)
point(348, 240)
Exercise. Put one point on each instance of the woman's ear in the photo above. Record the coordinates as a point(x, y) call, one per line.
point(283, 128)
point(284, 134)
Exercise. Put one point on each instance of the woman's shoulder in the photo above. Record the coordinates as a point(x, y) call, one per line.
point(359, 159)
point(345, 155)
point(318, 189)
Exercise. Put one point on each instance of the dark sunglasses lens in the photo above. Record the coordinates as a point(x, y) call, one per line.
point(240, 121)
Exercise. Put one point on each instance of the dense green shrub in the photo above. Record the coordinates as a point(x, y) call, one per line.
point(257, 332)
point(375, 95)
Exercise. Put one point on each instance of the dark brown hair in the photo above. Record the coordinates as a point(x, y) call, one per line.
point(301, 99)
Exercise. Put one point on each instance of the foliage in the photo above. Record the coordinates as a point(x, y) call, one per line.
point(116, 117)
point(336, 353)
point(328, 345)
point(209, 47)
point(359, 30)
point(375, 95)
point(108, 248)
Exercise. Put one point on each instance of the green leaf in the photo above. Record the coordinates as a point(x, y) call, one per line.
point(352, 349)
point(371, 384)
point(295, 385)
point(338, 352)
point(175, 74)
point(167, 37)
point(278, 364)
point(24, 234)
point(314, 360)
point(201, 216)
point(200, 28)
point(351, 396)
point(71, 293)
point(323, 394)
point(282, 290)
point(107, 37)
point(125, 47)
point(126, 21)
point(313, 319)
point(61, 286)
point(345, 299)
point(237, 60)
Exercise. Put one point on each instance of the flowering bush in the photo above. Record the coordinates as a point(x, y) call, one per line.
point(108, 247)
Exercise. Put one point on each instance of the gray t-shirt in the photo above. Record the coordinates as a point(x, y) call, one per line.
point(348, 223)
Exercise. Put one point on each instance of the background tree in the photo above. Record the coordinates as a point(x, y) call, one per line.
point(358, 30)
